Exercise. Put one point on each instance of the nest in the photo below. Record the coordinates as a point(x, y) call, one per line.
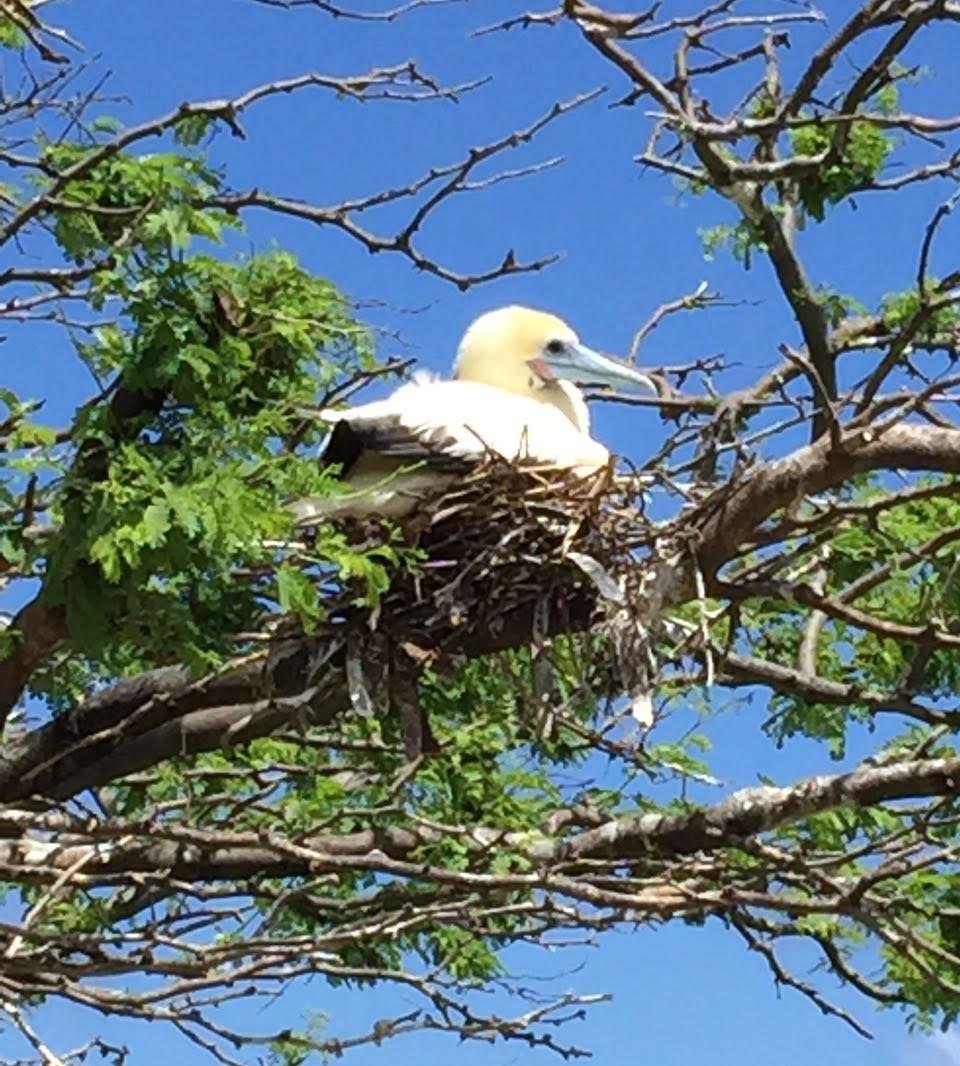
point(510, 557)
point(507, 539)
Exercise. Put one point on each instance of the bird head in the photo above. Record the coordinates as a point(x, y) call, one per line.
point(525, 350)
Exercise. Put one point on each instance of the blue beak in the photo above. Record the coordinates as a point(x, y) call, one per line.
point(578, 363)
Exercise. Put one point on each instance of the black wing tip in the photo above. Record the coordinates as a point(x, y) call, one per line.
point(349, 439)
point(343, 446)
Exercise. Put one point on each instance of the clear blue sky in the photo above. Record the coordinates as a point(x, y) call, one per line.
point(682, 996)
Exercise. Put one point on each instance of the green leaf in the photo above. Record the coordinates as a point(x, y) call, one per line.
point(156, 523)
point(297, 594)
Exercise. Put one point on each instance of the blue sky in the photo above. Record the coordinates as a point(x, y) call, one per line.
point(682, 995)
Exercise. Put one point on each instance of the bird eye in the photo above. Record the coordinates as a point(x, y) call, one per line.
point(555, 347)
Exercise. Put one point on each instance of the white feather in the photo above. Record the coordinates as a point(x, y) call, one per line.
point(470, 419)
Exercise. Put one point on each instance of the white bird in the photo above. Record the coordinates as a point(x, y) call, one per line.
point(511, 395)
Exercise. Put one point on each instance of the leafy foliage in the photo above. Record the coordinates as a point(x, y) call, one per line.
point(865, 151)
point(174, 481)
point(909, 309)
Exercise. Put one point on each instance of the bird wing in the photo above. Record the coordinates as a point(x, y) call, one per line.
point(388, 433)
point(449, 425)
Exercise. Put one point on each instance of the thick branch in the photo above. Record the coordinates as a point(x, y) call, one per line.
point(755, 810)
point(821, 465)
point(164, 713)
point(195, 855)
point(34, 632)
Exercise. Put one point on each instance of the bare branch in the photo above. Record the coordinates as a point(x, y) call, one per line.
point(451, 179)
point(340, 11)
point(401, 82)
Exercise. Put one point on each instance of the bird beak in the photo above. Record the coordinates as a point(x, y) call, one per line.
point(583, 365)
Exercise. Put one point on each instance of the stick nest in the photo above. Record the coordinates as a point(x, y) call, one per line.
point(513, 555)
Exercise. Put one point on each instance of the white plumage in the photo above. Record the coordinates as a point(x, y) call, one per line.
point(508, 398)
